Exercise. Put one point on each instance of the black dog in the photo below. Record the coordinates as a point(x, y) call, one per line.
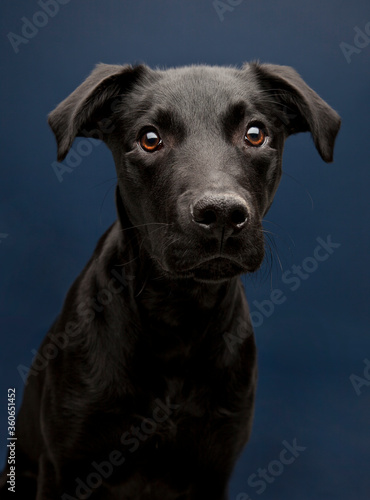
point(144, 395)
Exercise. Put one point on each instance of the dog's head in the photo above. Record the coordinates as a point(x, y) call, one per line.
point(198, 154)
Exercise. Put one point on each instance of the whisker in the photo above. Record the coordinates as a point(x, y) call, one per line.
point(158, 228)
point(104, 182)
point(279, 236)
point(274, 247)
point(102, 204)
point(302, 186)
point(146, 224)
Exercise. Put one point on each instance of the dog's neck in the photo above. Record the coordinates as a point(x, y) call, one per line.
point(154, 320)
point(168, 304)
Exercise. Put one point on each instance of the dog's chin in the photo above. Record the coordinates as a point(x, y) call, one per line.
point(217, 270)
point(213, 270)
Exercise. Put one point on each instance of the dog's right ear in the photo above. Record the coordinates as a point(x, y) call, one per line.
point(308, 112)
point(90, 102)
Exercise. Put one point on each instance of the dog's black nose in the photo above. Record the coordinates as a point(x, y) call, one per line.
point(221, 214)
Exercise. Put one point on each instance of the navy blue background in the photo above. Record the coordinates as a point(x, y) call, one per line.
point(311, 344)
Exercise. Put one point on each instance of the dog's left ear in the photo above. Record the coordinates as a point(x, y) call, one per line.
point(302, 109)
point(90, 102)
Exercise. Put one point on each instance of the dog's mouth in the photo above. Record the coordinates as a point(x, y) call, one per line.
point(205, 261)
point(212, 269)
point(217, 269)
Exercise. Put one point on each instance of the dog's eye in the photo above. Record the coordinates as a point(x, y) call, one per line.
point(150, 141)
point(255, 135)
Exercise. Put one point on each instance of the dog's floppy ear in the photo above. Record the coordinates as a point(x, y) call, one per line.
point(304, 109)
point(90, 102)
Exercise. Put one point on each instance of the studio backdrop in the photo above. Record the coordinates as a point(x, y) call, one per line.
point(309, 302)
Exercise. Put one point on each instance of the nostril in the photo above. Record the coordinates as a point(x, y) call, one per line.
point(206, 217)
point(238, 217)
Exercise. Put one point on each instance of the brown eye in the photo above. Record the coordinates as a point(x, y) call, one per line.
point(255, 135)
point(150, 141)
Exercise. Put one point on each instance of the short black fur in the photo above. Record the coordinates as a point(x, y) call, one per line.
point(149, 395)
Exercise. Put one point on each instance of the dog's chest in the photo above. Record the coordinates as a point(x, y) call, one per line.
point(179, 421)
point(186, 403)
